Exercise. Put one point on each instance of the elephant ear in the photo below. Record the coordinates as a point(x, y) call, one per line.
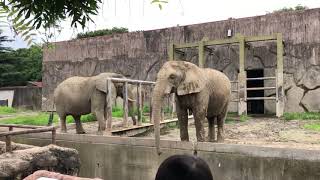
point(194, 80)
point(101, 84)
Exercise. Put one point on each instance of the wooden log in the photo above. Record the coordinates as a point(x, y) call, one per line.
point(28, 131)
point(20, 126)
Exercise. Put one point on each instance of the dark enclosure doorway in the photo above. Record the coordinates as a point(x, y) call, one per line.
point(255, 106)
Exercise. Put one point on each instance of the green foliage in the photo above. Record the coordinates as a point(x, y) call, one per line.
point(117, 111)
point(172, 125)
point(102, 32)
point(49, 13)
point(167, 109)
point(146, 109)
point(19, 66)
point(41, 119)
point(244, 118)
point(26, 16)
point(299, 7)
point(302, 116)
point(7, 110)
point(312, 126)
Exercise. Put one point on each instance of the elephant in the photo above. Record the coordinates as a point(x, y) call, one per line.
point(206, 92)
point(78, 96)
point(186, 167)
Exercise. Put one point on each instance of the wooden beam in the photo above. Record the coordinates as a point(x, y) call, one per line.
point(186, 45)
point(131, 81)
point(221, 42)
point(261, 38)
point(28, 131)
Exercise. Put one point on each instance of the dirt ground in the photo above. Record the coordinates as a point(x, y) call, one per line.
point(271, 132)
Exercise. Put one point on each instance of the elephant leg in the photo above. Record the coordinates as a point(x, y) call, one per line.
point(101, 121)
point(63, 126)
point(183, 123)
point(199, 116)
point(79, 128)
point(211, 133)
point(131, 112)
point(220, 121)
point(97, 107)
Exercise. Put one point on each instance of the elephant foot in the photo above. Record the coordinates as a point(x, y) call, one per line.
point(220, 140)
point(100, 133)
point(81, 132)
point(63, 131)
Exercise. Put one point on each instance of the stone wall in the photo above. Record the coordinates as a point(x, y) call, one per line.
point(124, 158)
point(139, 55)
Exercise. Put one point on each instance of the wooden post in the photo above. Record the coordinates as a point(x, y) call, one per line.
point(173, 107)
point(242, 80)
point(279, 77)
point(125, 104)
point(53, 136)
point(201, 54)
point(171, 52)
point(150, 104)
point(139, 104)
point(109, 106)
point(8, 141)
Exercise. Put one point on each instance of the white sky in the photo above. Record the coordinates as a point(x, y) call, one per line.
point(141, 15)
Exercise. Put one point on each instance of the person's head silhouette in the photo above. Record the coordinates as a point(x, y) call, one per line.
point(184, 167)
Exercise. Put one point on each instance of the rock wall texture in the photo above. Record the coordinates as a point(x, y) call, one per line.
point(139, 55)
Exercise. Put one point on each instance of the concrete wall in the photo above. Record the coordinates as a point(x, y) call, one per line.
point(117, 158)
point(139, 55)
point(25, 97)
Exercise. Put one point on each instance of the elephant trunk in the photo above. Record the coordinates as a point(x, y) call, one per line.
point(157, 98)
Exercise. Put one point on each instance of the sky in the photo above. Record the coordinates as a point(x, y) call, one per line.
point(142, 15)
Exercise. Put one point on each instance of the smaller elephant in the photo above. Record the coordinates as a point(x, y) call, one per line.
point(78, 96)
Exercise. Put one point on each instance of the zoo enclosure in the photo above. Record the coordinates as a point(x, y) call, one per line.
point(30, 129)
point(204, 45)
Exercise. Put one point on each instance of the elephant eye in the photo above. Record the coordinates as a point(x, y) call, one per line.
point(172, 76)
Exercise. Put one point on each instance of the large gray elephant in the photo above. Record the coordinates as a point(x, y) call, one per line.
point(206, 92)
point(78, 96)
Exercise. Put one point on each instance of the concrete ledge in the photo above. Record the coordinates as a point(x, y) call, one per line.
point(131, 158)
point(247, 150)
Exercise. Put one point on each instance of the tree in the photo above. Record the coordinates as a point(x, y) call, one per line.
point(28, 15)
point(102, 32)
point(20, 66)
point(298, 7)
point(2, 40)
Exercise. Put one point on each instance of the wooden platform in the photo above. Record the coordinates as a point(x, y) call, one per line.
point(136, 130)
